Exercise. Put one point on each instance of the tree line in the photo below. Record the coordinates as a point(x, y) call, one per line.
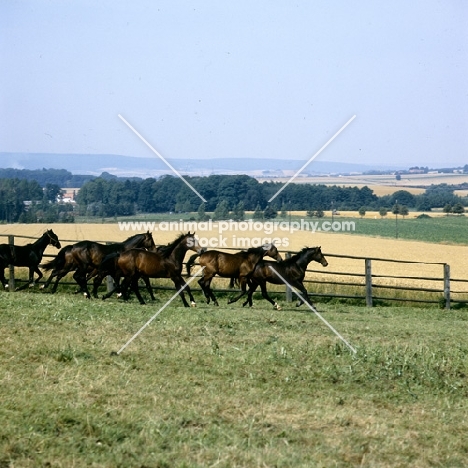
point(230, 195)
point(226, 196)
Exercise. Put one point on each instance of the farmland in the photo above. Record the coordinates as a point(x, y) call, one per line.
point(382, 184)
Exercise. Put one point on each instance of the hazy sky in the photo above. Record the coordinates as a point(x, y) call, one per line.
point(263, 79)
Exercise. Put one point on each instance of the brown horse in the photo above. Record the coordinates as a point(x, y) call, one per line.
point(239, 265)
point(29, 255)
point(292, 270)
point(85, 257)
point(165, 262)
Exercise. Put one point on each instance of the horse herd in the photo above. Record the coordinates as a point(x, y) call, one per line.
point(139, 258)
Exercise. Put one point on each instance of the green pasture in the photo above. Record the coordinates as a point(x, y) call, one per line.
point(228, 386)
point(442, 229)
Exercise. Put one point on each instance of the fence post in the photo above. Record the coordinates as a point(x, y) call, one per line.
point(288, 289)
point(109, 280)
point(368, 268)
point(447, 285)
point(11, 279)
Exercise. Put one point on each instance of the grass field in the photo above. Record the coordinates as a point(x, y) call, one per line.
point(229, 387)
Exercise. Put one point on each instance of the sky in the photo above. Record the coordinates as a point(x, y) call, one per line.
point(250, 79)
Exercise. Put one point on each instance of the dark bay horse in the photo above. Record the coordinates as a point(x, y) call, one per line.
point(165, 262)
point(292, 270)
point(29, 255)
point(239, 265)
point(85, 257)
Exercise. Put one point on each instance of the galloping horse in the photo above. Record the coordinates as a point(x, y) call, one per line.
point(165, 262)
point(29, 255)
point(239, 265)
point(292, 270)
point(85, 257)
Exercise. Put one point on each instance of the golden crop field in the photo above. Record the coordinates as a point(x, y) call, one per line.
point(382, 184)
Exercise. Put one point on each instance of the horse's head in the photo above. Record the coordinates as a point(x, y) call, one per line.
point(319, 257)
point(148, 241)
point(53, 239)
point(192, 243)
point(272, 251)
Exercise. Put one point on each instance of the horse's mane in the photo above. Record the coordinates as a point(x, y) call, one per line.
point(255, 249)
point(296, 256)
point(166, 250)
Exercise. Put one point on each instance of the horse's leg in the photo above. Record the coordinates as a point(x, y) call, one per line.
point(148, 287)
point(2, 277)
point(29, 281)
point(243, 285)
point(209, 291)
point(190, 295)
point(267, 297)
point(253, 287)
point(136, 289)
point(201, 282)
point(179, 284)
point(123, 289)
point(303, 296)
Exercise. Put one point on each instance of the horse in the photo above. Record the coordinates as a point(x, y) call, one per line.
point(292, 270)
point(165, 262)
point(239, 265)
point(29, 255)
point(84, 258)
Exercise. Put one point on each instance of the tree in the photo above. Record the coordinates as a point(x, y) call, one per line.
point(202, 216)
point(398, 176)
point(362, 211)
point(258, 213)
point(458, 209)
point(284, 211)
point(239, 212)
point(383, 212)
point(222, 211)
point(447, 209)
point(319, 213)
point(270, 212)
point(396, 209)
point(404, 210)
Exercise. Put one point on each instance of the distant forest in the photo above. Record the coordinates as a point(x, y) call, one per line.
point(34, 196)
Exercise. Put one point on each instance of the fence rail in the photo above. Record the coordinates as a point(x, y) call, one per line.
point(368, 285)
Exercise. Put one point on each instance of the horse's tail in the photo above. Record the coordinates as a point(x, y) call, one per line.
point(190, 263)
point(55, 264)
point(107, 266)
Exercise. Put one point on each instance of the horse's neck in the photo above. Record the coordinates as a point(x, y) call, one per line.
point(132, 243)
point(41, 243)
point(178, 253)
point(304, 260)
point(256, 257)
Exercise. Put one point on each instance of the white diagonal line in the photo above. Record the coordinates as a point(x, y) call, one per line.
point(160, 310)
point(160, 156)
point(312, 308)
point(312, 158)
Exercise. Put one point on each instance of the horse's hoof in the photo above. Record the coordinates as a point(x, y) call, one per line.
point(276, 307)
point(42, 287)
point(7, 286)
point(216, 303)
point(31, 285)
point(119, 295)
point(193, 304)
